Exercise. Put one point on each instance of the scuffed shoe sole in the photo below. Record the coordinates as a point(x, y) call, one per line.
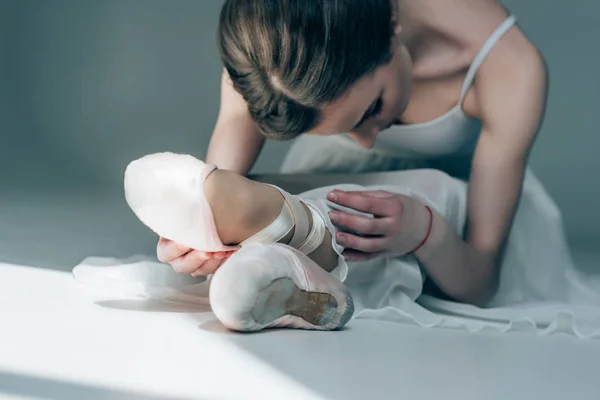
point(265, 286)
point(282, 297)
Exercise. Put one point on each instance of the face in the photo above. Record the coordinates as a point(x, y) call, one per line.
point(372, 104)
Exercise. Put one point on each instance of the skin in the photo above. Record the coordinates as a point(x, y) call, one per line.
point(435, 42)
point(242, 207)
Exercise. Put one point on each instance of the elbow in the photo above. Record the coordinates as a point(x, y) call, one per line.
point(477, 296)
point(481, 297)
point(480, 291)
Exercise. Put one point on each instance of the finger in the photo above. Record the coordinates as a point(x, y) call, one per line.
point(380, 194)
point(207, 255)
point(202, 269)
point(371, 205)
point(221, 255)
point(357, 256)
point(360, 224)
point(209, 267)
point(167, 250)
point(189, 262)
point(216, 255)
point(197, 273)
point(212, 263)
point(366, 245)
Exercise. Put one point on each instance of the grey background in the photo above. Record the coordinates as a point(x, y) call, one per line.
point(86, 86)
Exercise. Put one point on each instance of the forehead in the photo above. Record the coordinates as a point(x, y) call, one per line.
point(342, 114)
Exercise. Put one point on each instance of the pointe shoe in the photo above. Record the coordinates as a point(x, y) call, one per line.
point(166, 192)
point(276, 286)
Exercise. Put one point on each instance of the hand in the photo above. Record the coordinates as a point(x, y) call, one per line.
point(399, 223)
point(187, 261)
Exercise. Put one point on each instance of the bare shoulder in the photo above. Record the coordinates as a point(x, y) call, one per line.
point(470, 22)
point(513, 60)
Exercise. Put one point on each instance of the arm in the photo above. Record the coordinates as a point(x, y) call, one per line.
point(236, 141)
point(234, 145)
point(512, 100)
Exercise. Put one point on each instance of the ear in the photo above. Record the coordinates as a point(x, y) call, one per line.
point(397, 28)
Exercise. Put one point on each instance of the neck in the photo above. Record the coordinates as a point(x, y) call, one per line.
point(434, 48)
point(414, 30)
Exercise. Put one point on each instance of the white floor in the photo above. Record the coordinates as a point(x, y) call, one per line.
point(58, 341)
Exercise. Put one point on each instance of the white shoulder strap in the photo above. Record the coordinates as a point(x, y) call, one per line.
point(485, 49)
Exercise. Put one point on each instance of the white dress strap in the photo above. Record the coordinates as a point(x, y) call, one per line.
point(485, 49)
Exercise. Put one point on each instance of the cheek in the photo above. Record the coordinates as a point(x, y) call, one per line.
point(394, 95)
point(394, 98)
point(393, 102)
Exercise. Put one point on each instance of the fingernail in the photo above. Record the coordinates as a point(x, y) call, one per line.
point(333, 216)
point(341, 238)
point(332, 196)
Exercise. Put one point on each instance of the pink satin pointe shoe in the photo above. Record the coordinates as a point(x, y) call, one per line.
point(276, 286)
point(166, 192)
point(263, 284)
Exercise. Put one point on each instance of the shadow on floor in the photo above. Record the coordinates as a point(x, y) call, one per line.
point(42, 388)
point(153, 306)
point(367, 360)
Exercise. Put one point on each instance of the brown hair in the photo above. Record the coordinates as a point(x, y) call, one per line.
point(289, 58)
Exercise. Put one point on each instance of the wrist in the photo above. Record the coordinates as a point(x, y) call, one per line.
point(435, 239)
point(425, 224)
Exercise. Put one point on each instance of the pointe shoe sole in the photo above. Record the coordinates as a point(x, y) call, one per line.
point(282, 297)
point(275, 286)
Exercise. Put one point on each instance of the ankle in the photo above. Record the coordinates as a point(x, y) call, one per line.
point(240, 207)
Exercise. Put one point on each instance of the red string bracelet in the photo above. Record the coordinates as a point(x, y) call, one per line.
point(428, 231)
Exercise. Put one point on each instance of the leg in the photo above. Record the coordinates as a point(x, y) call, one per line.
point(284, 288)
point(206, 209)
point(243, 208)
point(272, 285)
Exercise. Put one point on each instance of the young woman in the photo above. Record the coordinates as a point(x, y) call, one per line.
point(284, 269)
point(383, 85)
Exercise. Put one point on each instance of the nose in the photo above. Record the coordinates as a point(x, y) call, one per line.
point(366, 139)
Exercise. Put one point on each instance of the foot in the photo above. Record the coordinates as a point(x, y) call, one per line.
point(276, 286)
point(202, 208)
